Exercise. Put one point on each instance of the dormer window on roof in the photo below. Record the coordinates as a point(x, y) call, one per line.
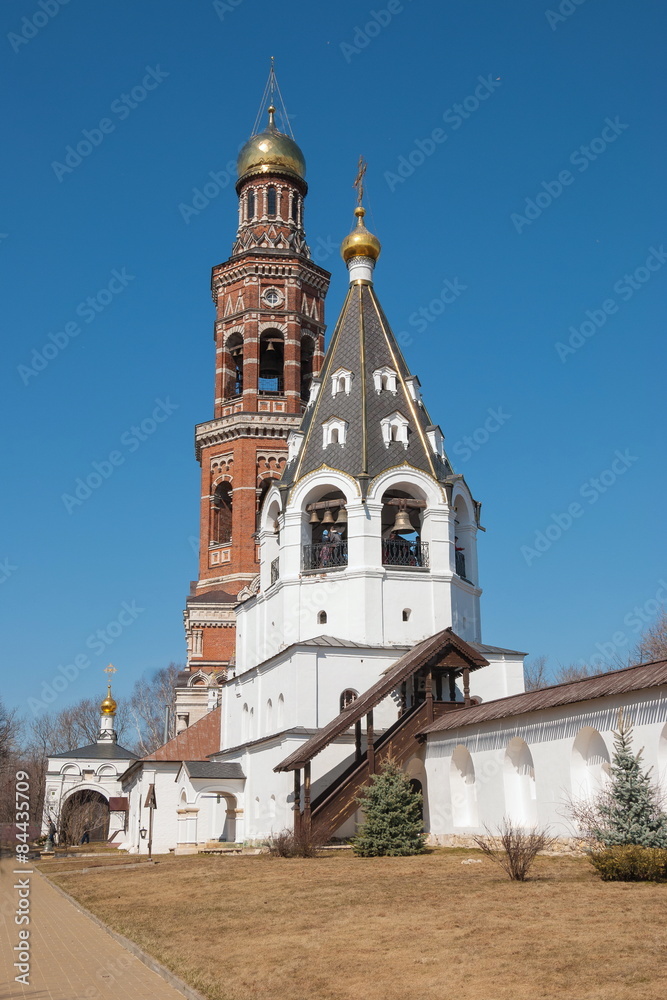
point(384, 379)
point(414, 388)
point(395, 429)
point(334, 431)
point(341, 381)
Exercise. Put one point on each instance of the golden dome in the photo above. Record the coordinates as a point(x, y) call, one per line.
point(270, 151)
point(108, 706)
point(360, 242)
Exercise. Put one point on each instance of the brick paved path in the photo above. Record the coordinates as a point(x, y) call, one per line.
point(72, 958)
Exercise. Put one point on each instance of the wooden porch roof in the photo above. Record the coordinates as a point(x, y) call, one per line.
point(444, 649)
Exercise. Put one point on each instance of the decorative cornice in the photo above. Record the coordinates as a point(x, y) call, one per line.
point(238, 268)
point(236, 425)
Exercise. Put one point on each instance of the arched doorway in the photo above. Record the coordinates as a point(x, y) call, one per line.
point(217, 816)
point(84, 817)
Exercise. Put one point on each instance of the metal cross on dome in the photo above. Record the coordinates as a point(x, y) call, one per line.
point(359, 179)
point(110, 670)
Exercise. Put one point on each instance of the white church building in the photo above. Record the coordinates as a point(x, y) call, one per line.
point(362, 639)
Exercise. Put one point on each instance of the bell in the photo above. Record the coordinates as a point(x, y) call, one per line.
point(269, 345)
point(342, 516)
point(314, 519)
point(402, 522)
point(328, 517)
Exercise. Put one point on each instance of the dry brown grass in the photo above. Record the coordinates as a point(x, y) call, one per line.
point(421, 928)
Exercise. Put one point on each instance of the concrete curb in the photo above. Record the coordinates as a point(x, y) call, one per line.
point(134, 949)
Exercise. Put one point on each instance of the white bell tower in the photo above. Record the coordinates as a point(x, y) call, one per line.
point(369, 535)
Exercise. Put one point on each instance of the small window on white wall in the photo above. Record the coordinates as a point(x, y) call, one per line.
point(321, 618)
point(395, 429)
point(406, 614)
point(384, 380)
point(341, 381)
point(348, 696)
point(334, 431)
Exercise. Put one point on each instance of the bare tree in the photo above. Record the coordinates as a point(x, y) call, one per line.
point(653, 642)
point(74, 726)
point(10, 731)
point(535, 673)
point(150, 699)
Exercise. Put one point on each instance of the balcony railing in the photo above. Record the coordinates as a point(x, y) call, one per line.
point(275, 570)
point(400, 552)
point(325, 555)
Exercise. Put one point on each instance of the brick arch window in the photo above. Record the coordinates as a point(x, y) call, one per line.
point(250, 205)
point(235, 351)
point(271, 201)
point(271, 362)
point(221, 514)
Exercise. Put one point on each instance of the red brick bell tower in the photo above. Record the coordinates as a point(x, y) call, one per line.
point(269, 342)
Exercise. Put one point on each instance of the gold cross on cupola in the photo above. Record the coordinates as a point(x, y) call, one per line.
point(109, 706)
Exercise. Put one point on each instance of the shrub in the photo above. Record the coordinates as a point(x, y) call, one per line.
point(630, 863)
point(288, 844)
point(514, 848)
point(393, 824)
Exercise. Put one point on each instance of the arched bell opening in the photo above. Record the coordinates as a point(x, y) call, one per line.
point(221, 514)
point(263, 487)
point(271, 539)
point(402, 543)
point(271, 363)
point(307, 355)
point(465, 530)
point(234, 361)
point(326, 518)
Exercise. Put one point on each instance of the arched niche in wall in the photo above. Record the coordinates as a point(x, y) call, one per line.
point(463, 789)
point(519, 782)
point(589, 763)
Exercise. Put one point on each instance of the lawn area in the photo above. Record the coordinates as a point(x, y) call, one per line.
point(421, 928)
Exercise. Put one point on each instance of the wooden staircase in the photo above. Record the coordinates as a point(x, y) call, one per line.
point(334, 805)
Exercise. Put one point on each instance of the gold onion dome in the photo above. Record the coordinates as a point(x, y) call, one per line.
point(360, 242)
point(108, 706)
point(270, 151)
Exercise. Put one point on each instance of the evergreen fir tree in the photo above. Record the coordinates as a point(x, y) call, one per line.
point(393, 822)
point(629, 812)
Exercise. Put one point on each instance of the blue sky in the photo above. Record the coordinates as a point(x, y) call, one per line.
point(541, 199)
